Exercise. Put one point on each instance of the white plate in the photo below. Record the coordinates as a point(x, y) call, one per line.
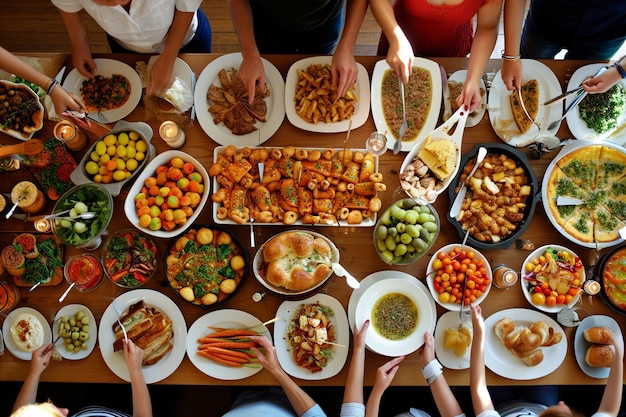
point(379, 276)
point(285, 358)
point(367, 221)
point(435, 105)
point(107, 67)
point(181, 70)
point(275, 103)
point(498, 103)
point(504, 363)
point(69, 311)
point(362, 92)
point(149, 171)
point(579, 128)
point(447, 357)
point(115, 360)
point(430, 277)
point(258, 261)
point(425, 320)
point(535, 254)
point(472, 121)
point(6, 329)
point(581, 345)
point(226, 318)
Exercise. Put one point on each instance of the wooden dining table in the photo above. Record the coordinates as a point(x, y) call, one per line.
point(355, 244)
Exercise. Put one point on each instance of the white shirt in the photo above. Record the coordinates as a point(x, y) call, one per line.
point(144, 27)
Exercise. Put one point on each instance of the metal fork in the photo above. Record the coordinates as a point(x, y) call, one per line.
point(119, 315)
point(403, 127)
point(521, 101)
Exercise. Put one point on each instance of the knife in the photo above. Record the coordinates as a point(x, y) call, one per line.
point(458, 200)
point(59, 76)
point(194, 77)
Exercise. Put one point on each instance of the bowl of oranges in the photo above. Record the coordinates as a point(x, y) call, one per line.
point(117, 157)
point(168, 195)
point(454, 273)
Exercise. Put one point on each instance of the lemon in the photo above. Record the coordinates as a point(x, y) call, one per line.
point(141, 146)
point(133, 135)
point(119, 175)
point(121, 151)
point(123, 138)
point(101, 148)
point(121, 165)
point(91, 167)
point(110, 140)
point(132, 164)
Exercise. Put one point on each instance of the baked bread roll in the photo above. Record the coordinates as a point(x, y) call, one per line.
point(599, 335)
point(297, 261)
point(534, 358)
point(13, 261)
point(28, 244)
point(599, 356)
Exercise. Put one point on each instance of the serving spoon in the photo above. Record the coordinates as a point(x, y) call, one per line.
point(29, 147)
point(83, 216)
point(341, 271)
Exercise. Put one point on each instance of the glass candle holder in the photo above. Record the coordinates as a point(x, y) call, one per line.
point(504, 277)
point(9, 296)
point(376, 143)
point(68, 133)
point(172, 134)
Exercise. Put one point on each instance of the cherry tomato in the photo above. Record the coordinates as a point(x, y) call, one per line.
point(551, 300)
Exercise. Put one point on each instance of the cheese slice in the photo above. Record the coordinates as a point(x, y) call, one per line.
point(440, 157)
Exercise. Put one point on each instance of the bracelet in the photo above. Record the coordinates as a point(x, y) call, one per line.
point(620, 69)
point(510, 57)
point(432, 371)
point(51, 87)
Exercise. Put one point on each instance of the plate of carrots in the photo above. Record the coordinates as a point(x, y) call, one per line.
point(219, 344)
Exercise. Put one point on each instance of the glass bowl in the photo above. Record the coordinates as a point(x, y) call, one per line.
point(406, 231)
point(84, 271)
point(129, 258)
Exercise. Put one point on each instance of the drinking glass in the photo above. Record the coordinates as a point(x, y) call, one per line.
point(376, 143)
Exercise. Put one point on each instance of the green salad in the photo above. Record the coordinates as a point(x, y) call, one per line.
point(602, 111)
point(79, 200)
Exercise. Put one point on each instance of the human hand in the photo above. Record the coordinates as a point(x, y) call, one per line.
point(512, 73)
point(359, 335)
point(83, 62)
point(602, 82)
point(269, 360)
point(63, 100)
point(427, 352)
point(41, 358)
point(133, 355)
point(616, 342)
point(470, 98)
point(344, 71)
point(250, 72)
point(160, 76)
point(400, 55)
point(386, 372)
point(478, 323)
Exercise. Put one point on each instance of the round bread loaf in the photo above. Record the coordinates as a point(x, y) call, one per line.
point(13, 261)
point(599, 356)
point(597, 335)
point(297, 261)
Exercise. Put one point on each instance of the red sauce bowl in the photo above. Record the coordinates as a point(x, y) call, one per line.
point(85, 271)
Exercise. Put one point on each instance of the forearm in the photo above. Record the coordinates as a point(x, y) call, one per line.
point(612, 397)
point(142, 405)
point(373, 402)
point(14, 65)
point(483, 44)
point(481, 399)
point(75, 30)
point(28, 392)
point(514, 12)
point(176, 34)
point(354, 383)
point(355, 13)
point(241, 15)
point(447, 405)
point(383, 13)
point(299, 400)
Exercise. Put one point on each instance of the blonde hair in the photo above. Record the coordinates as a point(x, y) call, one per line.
point(46, 409)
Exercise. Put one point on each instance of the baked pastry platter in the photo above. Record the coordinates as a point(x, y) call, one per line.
point(579, 127)
point(322, 312)
point(379, 276)
point(499, 104)
point(152, 299)
point(453, 90)
point(594, 176)
point(505, 363)
point(40, 337)
point(107, 68)
point(457, 355)
point(69, 311)
point(227, 319)
point(283, 262)
point(25, 94)
point(275, 102)
point(235, 188)
point(425, 85)
point(294, 84)
point(581, 345)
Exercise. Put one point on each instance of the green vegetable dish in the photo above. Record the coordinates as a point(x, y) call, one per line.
point(129, 258)
point(601, 112)
point(74, 230)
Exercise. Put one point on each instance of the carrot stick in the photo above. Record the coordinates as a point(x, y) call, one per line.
point(232, 358)
point(233, 332)
point(223, 351)
point(218, 360)
point(231, 345)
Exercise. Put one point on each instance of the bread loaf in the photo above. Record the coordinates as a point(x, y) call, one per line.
point(599, 356)
point(598, 335)
point(297, 261)
point(13, 261)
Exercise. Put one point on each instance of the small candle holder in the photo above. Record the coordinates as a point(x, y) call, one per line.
point(376, 143)
point(69, 134)
point(504, 277)
point(43, 225)
point(172, 134)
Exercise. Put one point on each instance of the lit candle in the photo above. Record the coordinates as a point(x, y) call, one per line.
point(42, 225)
point(70, 135)
point(172, 134)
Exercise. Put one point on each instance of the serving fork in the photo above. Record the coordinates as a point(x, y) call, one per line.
point(403, 127)
point(119, 315)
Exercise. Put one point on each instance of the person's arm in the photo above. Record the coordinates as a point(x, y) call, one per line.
point(62, 99)
point(481, 399)
point(514, 12)
point(607, 79)
point(81, 52)
point(142, 405)
point(251, 70)
point(384, 376)
point(354, 382)
point(612, 397)
point(488, 19)
point(39, 363)
point(299, 400)
point(161, 73)
point(447, 405)
point(400, 56)
point(343, 67)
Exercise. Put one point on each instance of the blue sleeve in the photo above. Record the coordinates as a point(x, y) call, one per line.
point(315, 411)
point(352, 410)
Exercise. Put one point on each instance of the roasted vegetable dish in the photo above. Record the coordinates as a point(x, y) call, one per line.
point(129, 258)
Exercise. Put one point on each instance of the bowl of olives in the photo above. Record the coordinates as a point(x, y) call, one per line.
point(406, 231)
